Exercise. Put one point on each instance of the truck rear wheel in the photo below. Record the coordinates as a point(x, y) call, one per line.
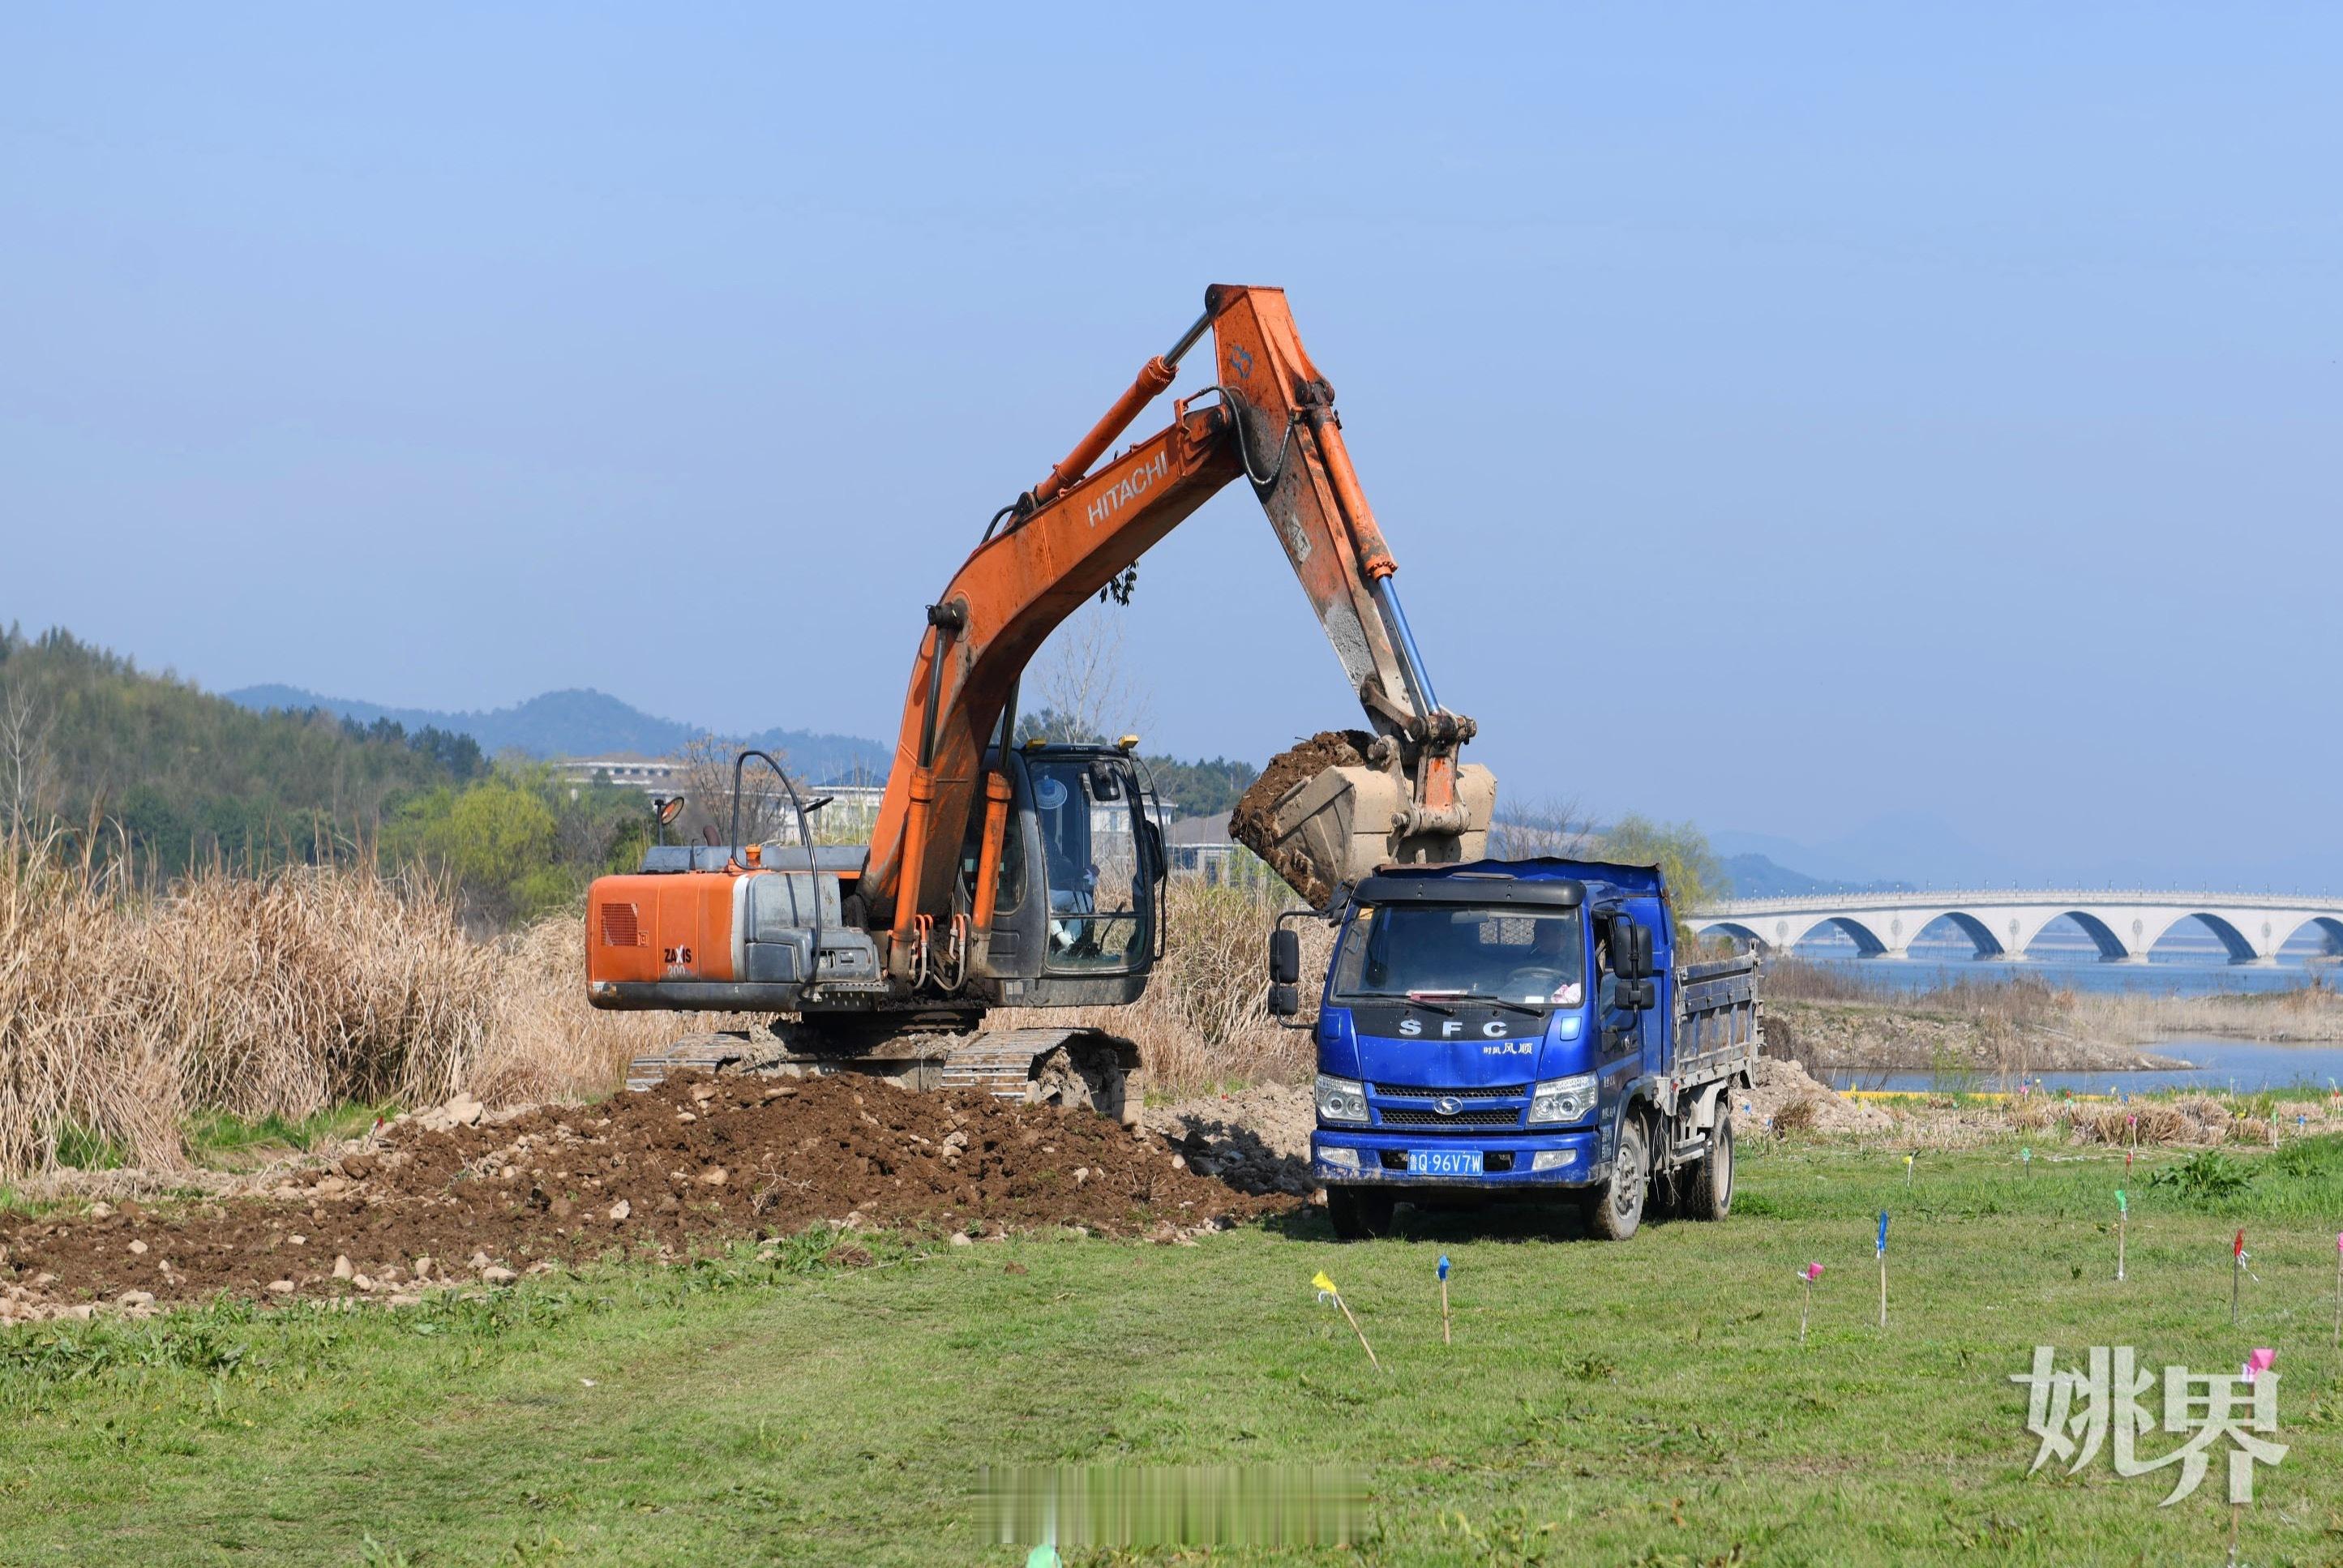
point(1710, 1193)
point(1618, 1204)
point(1359, 1214)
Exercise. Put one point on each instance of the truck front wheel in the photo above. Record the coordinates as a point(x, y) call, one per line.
point(1618, 1204)
point(1711, 1194)
point(1359, 1214)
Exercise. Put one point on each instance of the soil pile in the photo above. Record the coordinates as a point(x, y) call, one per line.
point(1786, 1098)
point(1252, 824)
point(459, 1194)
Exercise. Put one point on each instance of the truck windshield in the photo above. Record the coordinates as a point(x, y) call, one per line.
point(1434, 950)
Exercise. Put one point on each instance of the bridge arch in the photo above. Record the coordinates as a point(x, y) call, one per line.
point(1782, 935)
point(1867, 942)
point(1988, 946)
point(1734, 928)
point(2331, 924)
point(2103, 936)
point(2233, 937)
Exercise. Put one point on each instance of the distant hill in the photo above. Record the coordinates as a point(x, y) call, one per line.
point(187, 776)
point(583, 723)
point(1757, 877)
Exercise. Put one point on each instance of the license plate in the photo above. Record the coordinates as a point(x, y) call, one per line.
point(1445, 1161)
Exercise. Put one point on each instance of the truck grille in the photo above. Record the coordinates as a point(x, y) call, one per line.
point(1393, 1117)
point(1410, 1091)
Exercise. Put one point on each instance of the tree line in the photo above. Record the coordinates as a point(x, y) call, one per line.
point(145, 768)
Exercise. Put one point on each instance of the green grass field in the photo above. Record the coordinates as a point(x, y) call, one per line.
point(1645, 1403)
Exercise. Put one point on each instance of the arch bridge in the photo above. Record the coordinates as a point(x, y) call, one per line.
point(2003, 922)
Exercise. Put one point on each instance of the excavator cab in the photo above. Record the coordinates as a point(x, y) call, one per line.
point(1078, 909)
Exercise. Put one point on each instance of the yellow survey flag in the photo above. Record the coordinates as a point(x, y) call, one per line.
point(1321, 1281)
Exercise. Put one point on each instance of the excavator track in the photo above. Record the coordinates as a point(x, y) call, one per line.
point(1030, 1066)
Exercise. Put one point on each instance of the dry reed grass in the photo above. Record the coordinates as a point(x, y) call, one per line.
point(122, 1013)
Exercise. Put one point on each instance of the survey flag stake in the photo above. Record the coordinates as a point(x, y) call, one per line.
point(1907, 1169)
point(1444, 1300)
point(1882, 1268)
point(1325, 1287)
point(1806, 1277)
point(2025, 1156)
point(2122, 1215)
point(2236, 1267)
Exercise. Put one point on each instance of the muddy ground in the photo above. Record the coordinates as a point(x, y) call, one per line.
point(459, 1194)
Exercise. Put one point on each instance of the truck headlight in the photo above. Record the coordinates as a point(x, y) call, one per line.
point(1562, 1099)
point(1342, 1100)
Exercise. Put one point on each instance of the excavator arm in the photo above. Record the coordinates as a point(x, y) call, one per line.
point(1274, 423)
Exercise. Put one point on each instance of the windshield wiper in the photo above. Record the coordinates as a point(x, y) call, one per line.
point(1432, 999)
point(1500, 1001)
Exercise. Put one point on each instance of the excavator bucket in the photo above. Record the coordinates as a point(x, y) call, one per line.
point(1322, 815)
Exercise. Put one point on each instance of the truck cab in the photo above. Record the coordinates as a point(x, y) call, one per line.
point(1521, 1028)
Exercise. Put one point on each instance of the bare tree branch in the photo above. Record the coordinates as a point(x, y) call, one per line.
point(27, 775)
point(1548, 825)
point(1084, 689)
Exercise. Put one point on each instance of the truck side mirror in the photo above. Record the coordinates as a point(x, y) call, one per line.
point(1284, 962)
point(1621, 934)
point(1285, 998)
point(1639, 994)
point(1645, 967)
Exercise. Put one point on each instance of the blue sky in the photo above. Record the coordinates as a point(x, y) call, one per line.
point(1786, 418)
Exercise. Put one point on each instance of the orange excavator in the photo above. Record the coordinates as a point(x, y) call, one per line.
point(1002, 875)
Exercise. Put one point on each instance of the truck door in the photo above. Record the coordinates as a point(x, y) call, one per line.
point(1619, 1038)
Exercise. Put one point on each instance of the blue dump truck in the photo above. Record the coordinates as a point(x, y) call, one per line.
point(1520, 1030)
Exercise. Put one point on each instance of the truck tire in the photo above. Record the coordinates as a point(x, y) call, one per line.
point(1359, 1214)
point(1709, 1194)
point(1617, 1207)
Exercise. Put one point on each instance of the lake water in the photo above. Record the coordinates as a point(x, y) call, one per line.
point(2246, 1066)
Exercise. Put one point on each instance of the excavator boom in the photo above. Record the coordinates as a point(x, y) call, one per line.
point(1273, 424)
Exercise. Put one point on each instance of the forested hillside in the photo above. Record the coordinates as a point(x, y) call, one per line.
point(85, 732)
point(172, 777)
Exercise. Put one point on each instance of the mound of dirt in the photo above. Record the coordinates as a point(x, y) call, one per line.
point(1253, 822)
point(1786, 1099)
point(691, 1164)
point(1256, 1139)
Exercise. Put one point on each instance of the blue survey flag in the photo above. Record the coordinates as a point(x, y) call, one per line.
point(1443, 1266)
point(1882, 1232)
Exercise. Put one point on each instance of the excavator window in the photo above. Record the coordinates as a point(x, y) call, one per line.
point(1100, 909)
